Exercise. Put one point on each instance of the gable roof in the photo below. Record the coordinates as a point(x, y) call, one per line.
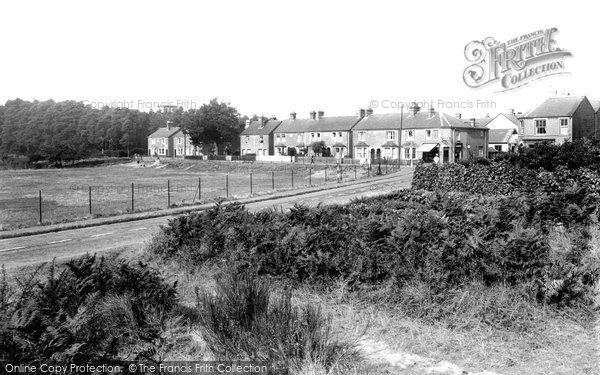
point(164, 132)
point(483, 121)
point(255, 129)
point(556, 107)
point(511, 117)
point(500, 135)
point(422, 120)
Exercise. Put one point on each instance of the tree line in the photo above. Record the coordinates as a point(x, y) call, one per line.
point(70, 130)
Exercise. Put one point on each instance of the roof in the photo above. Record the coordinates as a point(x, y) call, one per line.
point(389, 144)
point(511, 116)
point(164, 132)
point(422, 120)
point(361, 144)
point(339, 144)
point(323, 124)
point(484, 121)
point(556, 107)
point(500, 135)
point(255, 129)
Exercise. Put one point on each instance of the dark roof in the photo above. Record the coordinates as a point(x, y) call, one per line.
point(500, 135)
point(339, 144)
point(389, 144)
point(511, 117)
point(255, 129)
point(422, 120)
point(361, 144)
point(556, 107)
point(164, 132)
point(483, 121)
point(323, 124)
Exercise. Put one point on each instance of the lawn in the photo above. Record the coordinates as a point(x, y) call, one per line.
point(66, 193)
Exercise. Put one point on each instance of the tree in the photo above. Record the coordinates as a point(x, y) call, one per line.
point(215, 122)
point(318, 147)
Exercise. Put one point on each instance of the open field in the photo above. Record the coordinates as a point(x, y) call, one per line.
point(66, 193)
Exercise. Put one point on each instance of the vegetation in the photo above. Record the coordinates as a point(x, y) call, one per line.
point(59, 131)
point(92, 310)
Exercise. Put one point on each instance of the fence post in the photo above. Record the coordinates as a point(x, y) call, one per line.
point(168, 193)
point(132, 198)
point(226, 186)
point(273, 180)
point(199, 189)
point(90, 198)
point(309, 176)
point(40, 207)
point(325, 172)
point(386, 163)
point(292, 178)
point(355, 171)
point(250, 183)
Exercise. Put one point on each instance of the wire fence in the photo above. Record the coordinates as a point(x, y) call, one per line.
point(91, 199)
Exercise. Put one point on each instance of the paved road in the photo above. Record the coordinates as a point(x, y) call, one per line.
point(33, 249)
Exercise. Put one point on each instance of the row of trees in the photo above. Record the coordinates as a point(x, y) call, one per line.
point(58, 131)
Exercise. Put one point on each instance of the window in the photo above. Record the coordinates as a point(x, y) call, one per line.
point(278, 136)
point(540, 126)
point(521, 127)
point(312, 135)
point(179, 141)
point(564, 126)
point(260, 139)
point(498, 148)
point(390, 135)
point(318, 135)
point(361, 136)
point(428, 134)
point(409, 134)
point(299, 138)
point(407, 153)
point(247, 139)
point(283, 136)
point(334, 134)
point(480, 150)
point(414, 156)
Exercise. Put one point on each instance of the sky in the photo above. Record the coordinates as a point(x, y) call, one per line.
point(275, 57)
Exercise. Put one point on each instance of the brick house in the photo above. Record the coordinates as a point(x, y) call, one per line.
point(418, 135)
point(557, 120)
point(257, 138)
point(182, 145)
point(161, 142)
point(291, 135)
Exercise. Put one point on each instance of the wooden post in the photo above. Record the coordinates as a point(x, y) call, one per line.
point(273, 180)
point(199, 189)
point(40, 207)
point(227, 186)
point(132, 198)
point(168, 193)
point(292, 178)
point(309, 176)
point(355, 171)
point(250, 183)
point(325, 172)
point(90, 198)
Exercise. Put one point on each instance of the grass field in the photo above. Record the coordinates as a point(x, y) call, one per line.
point(66, 192)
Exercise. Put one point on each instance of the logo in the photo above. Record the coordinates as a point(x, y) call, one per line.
point(515, 63)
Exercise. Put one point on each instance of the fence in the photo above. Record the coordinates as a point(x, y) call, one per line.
point(58, 203)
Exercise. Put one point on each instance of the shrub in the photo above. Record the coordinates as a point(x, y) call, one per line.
point(84, 312)
point(245, 320)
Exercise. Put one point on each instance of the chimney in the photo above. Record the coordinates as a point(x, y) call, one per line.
point(431, 112)
point(512, 111)
point(263, 121)
point(313, 115)
point(292, 115)
point(472, 120)
point(169, 125)
point(321, 114)
point(414, 108)
point(458, 115)
point(361, 113)
point(247, 123)
point(369, 111)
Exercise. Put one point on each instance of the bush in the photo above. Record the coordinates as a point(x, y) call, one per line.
point(84, 312)
point(444, 241)
point(244, 320)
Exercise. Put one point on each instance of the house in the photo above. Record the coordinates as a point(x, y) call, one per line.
point(503, 140)
point(182, 145)
point(291, 135)
point(503, 121)
point(418, 135)
point(596, 106)
point(161, 142)
point(557, 120)
point(335, 132)
point(257, 137)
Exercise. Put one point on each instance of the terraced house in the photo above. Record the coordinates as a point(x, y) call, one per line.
point(418, 135)
point(257, 138)
point(557, 120)
point(161, 142)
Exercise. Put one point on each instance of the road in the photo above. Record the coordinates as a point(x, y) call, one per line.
point(22, 251)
